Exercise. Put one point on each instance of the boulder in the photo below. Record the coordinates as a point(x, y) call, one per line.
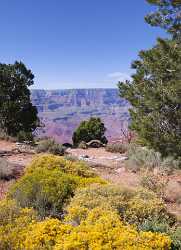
point(94, 144)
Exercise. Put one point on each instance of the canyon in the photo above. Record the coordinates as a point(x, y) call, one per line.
point(61, 111)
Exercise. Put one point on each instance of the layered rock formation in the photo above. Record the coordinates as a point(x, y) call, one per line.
point(61, 111)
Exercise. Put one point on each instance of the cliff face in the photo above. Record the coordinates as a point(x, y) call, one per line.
point(61, 111)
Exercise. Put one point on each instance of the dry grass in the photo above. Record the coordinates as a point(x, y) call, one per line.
point(4, 187)
point(173, 191)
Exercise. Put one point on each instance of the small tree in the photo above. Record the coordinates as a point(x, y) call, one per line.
point(93, 129)
point(17, 114)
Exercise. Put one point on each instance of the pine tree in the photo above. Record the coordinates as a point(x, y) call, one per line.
point(155, 91)
point(17, 114)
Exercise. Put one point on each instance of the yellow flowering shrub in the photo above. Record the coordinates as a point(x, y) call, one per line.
point(47, 188)
point(103, 229)
point(49, 161)
point(42, 235)
point(14, 220)
point(108, 196)
point(145, 205)
point(9, 211)
point(133, 207)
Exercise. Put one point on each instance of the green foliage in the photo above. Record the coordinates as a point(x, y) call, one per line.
point(167, 16)
point(6, 137)
point(50, 146)
point(44, 190)
point(175, 236)
point(162, 226)
point(117, 148)
point(49, 182)
point(16, 110)
point(142, 157)
point(154, 225)
point(93, 129)
point(24, 136)
point(155, 95)
point(147, 159)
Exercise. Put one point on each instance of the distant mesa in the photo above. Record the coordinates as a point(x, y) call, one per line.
point(62, 110)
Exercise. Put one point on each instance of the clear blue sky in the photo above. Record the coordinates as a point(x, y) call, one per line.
point(75, 43)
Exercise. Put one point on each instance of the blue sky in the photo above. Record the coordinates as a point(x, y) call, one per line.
point(75, 43)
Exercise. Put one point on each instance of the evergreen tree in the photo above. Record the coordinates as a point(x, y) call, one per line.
point(17, 114)
point(167, 16)
point(155, 91)
point(93, 129)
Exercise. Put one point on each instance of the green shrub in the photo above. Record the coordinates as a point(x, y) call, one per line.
point(44, 190)
point(162, 226)
point(117, 148)
point(155, 225)
point(93, 129)
point(50, 146)
point(142, 157)
point(71, 158)
point(6, 170)
point(175, 236)
point(24, 136)
point(169, 164)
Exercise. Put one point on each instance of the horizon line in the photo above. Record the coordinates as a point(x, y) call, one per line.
point(70, 89)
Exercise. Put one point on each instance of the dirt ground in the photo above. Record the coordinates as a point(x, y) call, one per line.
point(109, 166)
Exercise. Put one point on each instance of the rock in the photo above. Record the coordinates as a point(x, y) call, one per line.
point(95, 144)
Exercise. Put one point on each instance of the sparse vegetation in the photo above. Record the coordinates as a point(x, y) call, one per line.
point(6, 137)
point(6, 170)
point(83, 145)
point(50, 146)
point(117, 147)
point(156, 183)
point(144, 158)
